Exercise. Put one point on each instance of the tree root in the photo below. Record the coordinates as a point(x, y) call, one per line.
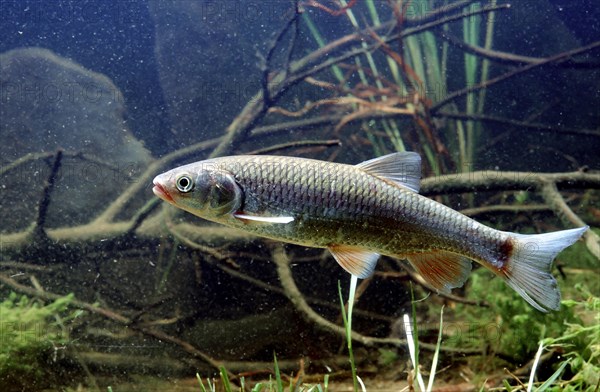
point(297, 299)
point(152, 227)
point(115, 317)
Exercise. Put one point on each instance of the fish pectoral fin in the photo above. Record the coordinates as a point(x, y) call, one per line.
point(357, 261)
point(265, 219)
point(442, 270)
point(401, 168)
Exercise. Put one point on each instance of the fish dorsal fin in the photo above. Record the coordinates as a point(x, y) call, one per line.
point(358, 262)
point(401, 168)
point(265, 219)
point(442, 270)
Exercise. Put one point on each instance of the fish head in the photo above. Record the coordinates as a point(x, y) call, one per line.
point(201, 188)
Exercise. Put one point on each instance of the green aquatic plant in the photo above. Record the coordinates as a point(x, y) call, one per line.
point(268, 386)
point(509, 327)
point(473, 67)
point(277, 385)
point(509, 331)
point(417, 72)
point(347, 318)
point(580, 345)
point(111, 233)
point(412, 339)
point(579, 348)
point(33, 337)
point(573, 350)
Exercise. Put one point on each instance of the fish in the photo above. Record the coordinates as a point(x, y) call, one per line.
point(360, 212)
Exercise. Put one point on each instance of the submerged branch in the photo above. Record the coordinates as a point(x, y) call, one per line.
point(296, 144)
point(113, 316)
point(455, 298)
point(488, 180)
point(45, 295)
point(297, 299)
point(151, 228)
point(509, 58)
point(555, 200)
point(184, 236)
point(46, 194)
point(519, 124)
point(292, 22)
point(508, 75)
point(547, 184)
point(209, 237)
point(258, 106)
point(145, 178)
point(502, 209)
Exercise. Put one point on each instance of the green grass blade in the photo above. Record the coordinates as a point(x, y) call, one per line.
point(164, 277)
point(507, 386)
point(277, 374)
point(432, 63)
point(258, 387)
point(437, 352)
point(485, 64)
point(368, 55)
point(225, 379)
point(553, 377)
point(415, 331)
point(202, 387)
point(413, 341)
point(471, 36)
point(536, 361)
point(314, 31)
point(415, 56)
point(348, 324)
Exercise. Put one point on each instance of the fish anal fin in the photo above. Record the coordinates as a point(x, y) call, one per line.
point(401, 168)
point(442, 270)
point(264, 219)
point(356, 261)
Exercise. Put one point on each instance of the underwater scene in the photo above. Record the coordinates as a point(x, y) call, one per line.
point(299, 195)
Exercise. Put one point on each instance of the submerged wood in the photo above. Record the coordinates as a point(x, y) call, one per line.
point(478, 181)
point(146, 228)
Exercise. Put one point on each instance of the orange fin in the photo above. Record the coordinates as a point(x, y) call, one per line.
point(442, 270)
point(359, 262)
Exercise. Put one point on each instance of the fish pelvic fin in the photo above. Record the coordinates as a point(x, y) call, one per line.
point(358, 262)
point(527, 270)
point(441, 269)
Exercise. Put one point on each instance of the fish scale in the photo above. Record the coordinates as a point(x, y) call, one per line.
point(387, 202)
point(361, 212)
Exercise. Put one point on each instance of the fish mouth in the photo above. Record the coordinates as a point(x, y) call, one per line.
point(160, 191)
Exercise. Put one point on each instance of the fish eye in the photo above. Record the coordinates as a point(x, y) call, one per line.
point(184, 183)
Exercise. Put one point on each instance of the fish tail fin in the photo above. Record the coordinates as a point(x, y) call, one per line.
point(527, 270)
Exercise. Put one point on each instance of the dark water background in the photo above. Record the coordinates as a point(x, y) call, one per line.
point(117, 38)
point(187, 68)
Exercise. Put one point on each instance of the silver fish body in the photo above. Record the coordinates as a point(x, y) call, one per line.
point(360, 212)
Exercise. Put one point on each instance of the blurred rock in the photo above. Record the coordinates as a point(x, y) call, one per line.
point(207, 54)
point(49, 103)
